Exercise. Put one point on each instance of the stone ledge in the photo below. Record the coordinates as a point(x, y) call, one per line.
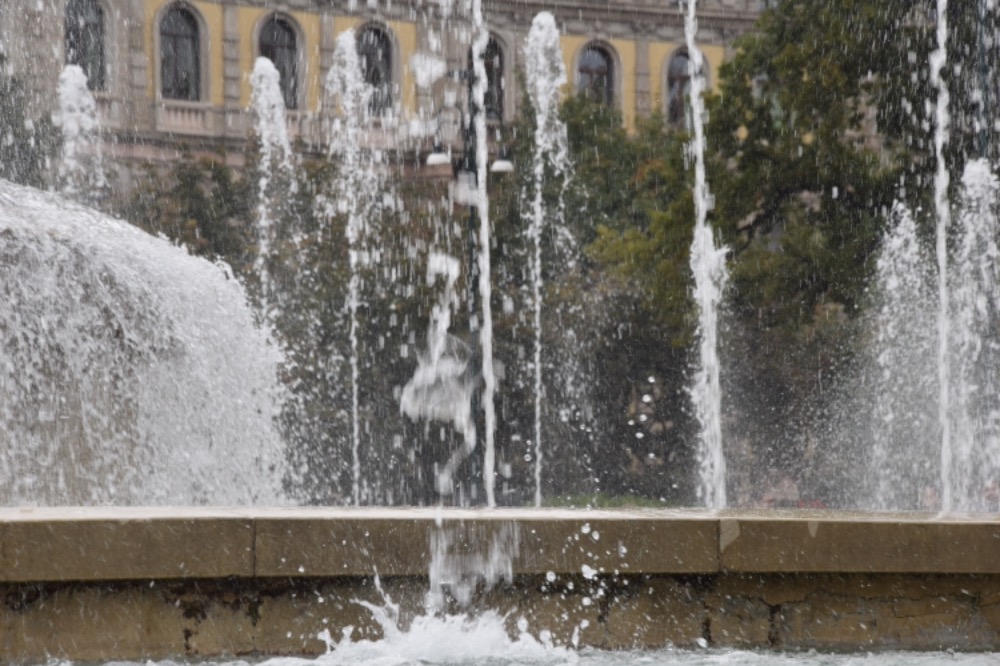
point(93, 544)
point(162, 582)
point(840, 542)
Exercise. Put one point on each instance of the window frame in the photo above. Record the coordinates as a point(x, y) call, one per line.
point(609, 96)
point(383, 101)
point(100, 84)
point(498, 86)
point(294, 96)
point(200, 53)
point(684, 120)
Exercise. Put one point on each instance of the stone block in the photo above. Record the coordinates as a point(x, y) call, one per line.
point(629, 542)
point(60, 548)
point(342, 544)
point(934, 624)
point(737, 621)
point(292, 623)
point(90, 624)
point(655, 613)
point(839, 543)
point(827, 622)
point(564, 612)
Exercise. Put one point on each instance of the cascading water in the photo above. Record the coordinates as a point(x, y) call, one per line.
point(942, 208)
point(709, 268)
point(441, 389)
point(131, 372)
point(482, 205)
point(546, 76)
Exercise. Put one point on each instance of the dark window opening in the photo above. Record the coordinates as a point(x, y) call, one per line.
point(277, 44)
point(85, 40)
point(595, 75)
point(493, 96)
point(375, 51)
point(678, 89)
point(180, 66)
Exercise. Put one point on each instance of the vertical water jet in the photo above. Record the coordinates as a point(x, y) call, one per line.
point(546, 75)
point(709, 268)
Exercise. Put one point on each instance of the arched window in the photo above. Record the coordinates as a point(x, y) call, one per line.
point(85, 40)
point(375, 51)
point(595, 74)
point(278, 44)
point(180, 61)
point(678, 89)
point(494, 94)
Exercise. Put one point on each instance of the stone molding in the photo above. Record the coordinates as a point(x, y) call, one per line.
point(106, 544)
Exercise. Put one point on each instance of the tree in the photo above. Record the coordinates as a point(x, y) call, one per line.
point(200, 203)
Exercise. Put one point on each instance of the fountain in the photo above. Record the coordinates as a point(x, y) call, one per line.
point(136, 374)
point(708, 264)
point(132, 372)
point(546, 76)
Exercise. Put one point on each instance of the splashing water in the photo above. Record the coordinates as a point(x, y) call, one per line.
point(441, 389)
point(466, 559)
point(905, 410)
point(911, 422)
point(546, 75)
point(709, 268)
point(130, 372)
point(974, 350)
point(81, 171)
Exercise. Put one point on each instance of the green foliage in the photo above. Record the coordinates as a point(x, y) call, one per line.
point(647, 238)
point(200, 203)
point(801, 187)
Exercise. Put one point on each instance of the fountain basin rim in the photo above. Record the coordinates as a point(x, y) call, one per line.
point(423, 513)
point(166, 543)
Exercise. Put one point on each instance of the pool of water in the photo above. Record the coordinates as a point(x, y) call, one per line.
point(375, 655)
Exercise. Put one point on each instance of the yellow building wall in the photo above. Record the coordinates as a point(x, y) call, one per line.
point(211, 14)
point(249, 19)
point(405, 34)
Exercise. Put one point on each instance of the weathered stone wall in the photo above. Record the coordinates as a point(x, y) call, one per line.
point(151, 583)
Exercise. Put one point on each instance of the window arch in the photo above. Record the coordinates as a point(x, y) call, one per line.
point(595, 74)
point(375, 52)
point(678, 88)
point(279, 44)
point(180, 55)
point(84, 33)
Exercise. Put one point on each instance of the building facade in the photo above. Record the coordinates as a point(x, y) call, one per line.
point(167, 72)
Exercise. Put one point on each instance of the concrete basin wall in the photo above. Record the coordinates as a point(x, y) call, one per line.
point(94, 583)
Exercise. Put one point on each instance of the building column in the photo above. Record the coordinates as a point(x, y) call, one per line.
point(237, 122)
point(643, 84)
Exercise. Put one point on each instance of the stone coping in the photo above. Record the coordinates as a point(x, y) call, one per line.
point(165, 543)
